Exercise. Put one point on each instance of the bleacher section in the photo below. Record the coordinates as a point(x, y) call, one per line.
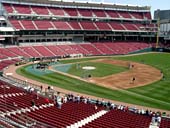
point(6, 63)
point(16, 105)
point(18, 51)
point(55, 24)
point(42, 10)
point(103, 26)
point(94, 48)
point(56, 11)
point(22, 9)
point(31, 51)
point(73, 25)
point(43, 51)
point(165, 123)
point(120, 119)
point(7, 53)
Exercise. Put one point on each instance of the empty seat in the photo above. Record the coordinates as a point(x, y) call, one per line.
point(116, 26)
point(87, 25)
point(61, 25)
point(22, 9)
point(85, 12)
point(28, 25)
point(40, 10)
point(43, 24)
point(124, 14)
point(8, 7)
point(16, 24)
point(103, 26)
point(56, 11)
point(112, 13)
point(75, 25)
point(99, 13)
point(71, 11)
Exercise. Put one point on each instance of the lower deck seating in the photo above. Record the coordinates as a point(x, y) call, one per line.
point(120, 119)
point(70, 113)
point(18, 51)
point(16, 105)
point(80, 49)
point(6, 63)
point(103, 48)
point(68, 49)
point(43, 51)
point(165, 123)
point(94, 48)
point(4, 124)
point(56, 50)
point(30, 51)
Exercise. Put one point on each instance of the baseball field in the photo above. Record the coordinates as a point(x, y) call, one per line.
point(112, 78)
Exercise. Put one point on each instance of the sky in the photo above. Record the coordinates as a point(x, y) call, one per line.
point(155, 4)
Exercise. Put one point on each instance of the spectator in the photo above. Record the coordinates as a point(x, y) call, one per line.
point(74, 99)
point(108, 104)
point(163, 113)
point(95, 107)
point(126, 108)
point(153, 119)
point(41, 88)
point(88, 100)
point(159, 120)
point(85, 100)
point(65, 99)
point(112, 106)
point(142, 111)
point(36, 96)
point(70, 97)
point(103, 102)
point(78, 99)
point(49, 88)
point(59, 102)
point(31, 89)
point(32, 102)
point(97, 102)
point(147, 112)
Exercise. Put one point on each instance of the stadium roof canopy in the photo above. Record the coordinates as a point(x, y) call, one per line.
point(83, 4)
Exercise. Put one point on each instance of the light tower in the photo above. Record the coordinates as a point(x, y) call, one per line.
point(157, 35)
point(158, 28)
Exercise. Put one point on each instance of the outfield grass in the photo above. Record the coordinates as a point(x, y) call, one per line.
point(155, 95)
point(161, 89)
point(100, 70)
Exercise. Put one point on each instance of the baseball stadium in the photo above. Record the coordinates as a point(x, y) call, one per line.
point(67, 64)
